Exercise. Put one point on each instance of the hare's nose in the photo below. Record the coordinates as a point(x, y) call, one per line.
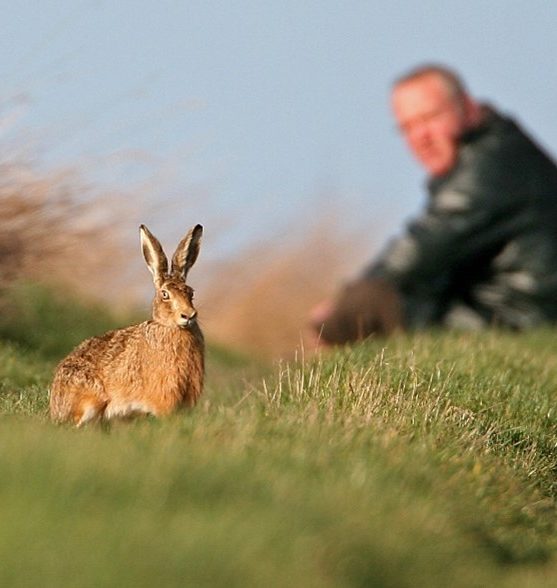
point(190, 317)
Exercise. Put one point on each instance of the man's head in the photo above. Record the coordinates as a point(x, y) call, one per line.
point(433, 110)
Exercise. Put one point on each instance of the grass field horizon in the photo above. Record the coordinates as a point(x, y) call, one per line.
point(426, 460)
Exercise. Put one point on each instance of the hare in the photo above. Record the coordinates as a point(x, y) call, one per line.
point(152, 368)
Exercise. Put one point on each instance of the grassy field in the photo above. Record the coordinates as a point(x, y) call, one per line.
point(430, 461)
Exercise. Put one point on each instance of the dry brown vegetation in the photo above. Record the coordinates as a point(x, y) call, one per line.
point(55, 230)
point(260, 301)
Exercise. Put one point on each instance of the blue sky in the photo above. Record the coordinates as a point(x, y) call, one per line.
point(259, 112)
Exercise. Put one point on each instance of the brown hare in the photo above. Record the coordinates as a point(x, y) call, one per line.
point(152, 368)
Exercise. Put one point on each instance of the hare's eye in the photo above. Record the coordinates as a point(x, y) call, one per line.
point(165, 295)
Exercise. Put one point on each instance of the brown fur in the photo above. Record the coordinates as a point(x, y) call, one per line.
point(153, 368)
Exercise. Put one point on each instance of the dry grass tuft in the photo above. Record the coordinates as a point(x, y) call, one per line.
point(259, 301)
point(56, 230)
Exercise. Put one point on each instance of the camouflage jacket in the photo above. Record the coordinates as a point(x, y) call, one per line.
point(485, 248)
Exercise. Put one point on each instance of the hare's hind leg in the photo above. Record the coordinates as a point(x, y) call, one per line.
point(76, 406)
point(78, 402)
point(88, 409)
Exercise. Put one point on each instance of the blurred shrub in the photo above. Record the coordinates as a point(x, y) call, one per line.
point(260, 299)
point(55, 228)
point(49, 320)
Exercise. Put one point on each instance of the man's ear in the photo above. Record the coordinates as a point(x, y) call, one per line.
point(473, 112)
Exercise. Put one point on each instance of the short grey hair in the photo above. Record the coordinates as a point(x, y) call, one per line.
point(450, 79)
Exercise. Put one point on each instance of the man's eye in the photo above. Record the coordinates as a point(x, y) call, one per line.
point(165, 295)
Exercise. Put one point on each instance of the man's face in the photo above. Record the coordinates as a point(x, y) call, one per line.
point(431, 121)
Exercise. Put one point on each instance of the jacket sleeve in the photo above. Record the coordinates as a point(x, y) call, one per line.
point(466, 220)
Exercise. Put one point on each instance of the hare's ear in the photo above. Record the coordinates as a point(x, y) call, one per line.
point(153, 254)
point(187, 251)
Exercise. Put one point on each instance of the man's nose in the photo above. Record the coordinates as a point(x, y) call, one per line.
point(420, 136)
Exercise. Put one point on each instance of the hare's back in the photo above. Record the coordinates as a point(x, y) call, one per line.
point(96, 352)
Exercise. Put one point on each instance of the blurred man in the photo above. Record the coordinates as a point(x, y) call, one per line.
point(484, 250)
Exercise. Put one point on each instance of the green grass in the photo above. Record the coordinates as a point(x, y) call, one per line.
point(430, 461)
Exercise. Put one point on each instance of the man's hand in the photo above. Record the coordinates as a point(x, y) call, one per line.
point(363, 308)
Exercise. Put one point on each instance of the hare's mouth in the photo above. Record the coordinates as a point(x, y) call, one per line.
point(185, 323)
